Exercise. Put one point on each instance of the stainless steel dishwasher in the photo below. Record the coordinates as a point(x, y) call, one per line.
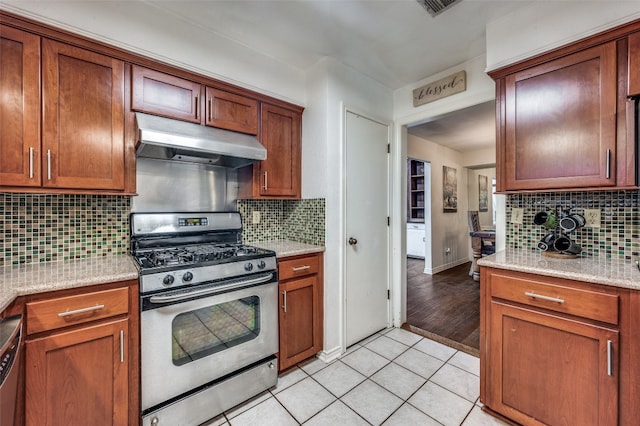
point(10, 334)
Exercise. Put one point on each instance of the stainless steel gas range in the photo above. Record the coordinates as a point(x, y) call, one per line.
point(209, 315)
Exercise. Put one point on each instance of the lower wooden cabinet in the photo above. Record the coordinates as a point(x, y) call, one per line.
point(551, 350)
point(301, 309)
point(81, 363)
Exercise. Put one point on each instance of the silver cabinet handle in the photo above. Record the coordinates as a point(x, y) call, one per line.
point(80, 311)
point(284, 301)
point(197, 106)
point(121, 346)
point(31, 162)
point(210, 109)
point(608, 172)
point(49, 164)
point(301, 268)
point(609, 357)
point(265, 181)
point(541, 297)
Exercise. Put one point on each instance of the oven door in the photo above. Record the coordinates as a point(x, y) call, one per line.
point(191, 337)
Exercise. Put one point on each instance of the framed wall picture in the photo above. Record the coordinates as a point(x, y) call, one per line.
point(449, 189)
point(483, 193)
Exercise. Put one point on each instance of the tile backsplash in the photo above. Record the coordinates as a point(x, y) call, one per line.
point(295, 220)
point(617, 237)
point(42, 227)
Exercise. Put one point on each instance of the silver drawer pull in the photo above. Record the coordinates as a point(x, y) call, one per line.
point(609, 358)
point(301, 268)
point(80, 311)
point(541, 297)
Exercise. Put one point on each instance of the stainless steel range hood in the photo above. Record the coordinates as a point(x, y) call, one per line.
point(167, 139)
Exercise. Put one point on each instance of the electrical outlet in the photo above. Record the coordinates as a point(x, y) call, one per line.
point(447, 251)
point(592, 218)
point(256, 217)
point(516, 215)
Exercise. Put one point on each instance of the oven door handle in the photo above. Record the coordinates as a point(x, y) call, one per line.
point(210, 290)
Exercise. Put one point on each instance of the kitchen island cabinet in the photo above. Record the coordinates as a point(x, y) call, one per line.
point(301, 308)
point(554, 351)
point(81, 356)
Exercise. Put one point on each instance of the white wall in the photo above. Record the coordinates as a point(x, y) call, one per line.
point(125, 26)
point(546, 25)
point(448, 230)
point(331, 87)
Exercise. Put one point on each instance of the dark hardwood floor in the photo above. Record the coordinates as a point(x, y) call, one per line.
point(444, 306)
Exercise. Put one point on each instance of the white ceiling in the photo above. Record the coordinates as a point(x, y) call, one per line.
point(395, 42)
point(463, 130)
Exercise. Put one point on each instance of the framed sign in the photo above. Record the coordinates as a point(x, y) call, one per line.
point(483, 193)
point(449, 189)
point(439, 89)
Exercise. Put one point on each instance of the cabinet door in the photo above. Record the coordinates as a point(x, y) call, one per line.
point(279, 174)
point(545, 369)
point(83, 118)
point(560, 122)
point(232, 112)
point(20, 108)
point(78, 377)
point(634, 65)
point(162, 94)
point(300, 320)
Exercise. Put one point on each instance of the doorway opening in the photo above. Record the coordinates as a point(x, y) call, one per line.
point(442, 299)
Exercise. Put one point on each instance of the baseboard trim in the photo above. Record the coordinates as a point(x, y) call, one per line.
point(331, 355)
point(446, 266)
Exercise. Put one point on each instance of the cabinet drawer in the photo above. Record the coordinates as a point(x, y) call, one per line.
point(298, 267)
point(580, 302)
point(64, 311)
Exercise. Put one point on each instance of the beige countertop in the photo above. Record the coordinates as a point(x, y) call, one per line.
point(21, 280)
point(598, 270)
point(286, 248)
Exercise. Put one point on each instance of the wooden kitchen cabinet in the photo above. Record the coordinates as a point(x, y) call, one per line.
point(557, 122)
point(169, 96)
point(550, 349)
point(279, 176)
point(20, 108)
point(81, 357)
point(162, 94)
point(301, 308)
point(634, 64)
point(83, 126)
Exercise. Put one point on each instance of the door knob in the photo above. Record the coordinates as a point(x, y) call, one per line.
point(353, 241)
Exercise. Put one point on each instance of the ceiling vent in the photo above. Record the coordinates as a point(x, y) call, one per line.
point(436, 7)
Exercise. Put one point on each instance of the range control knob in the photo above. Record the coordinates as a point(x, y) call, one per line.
point(168, 280)
point(248, 266)
point(188, 276)
point(261, 264)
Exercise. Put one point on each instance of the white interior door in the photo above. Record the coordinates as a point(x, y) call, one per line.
point(367, 230)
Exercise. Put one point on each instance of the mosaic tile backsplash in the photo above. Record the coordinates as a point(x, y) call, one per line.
point(617, 237)
point(296, 220)
point(38, 228)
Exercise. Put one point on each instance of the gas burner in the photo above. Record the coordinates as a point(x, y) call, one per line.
point(194, 254)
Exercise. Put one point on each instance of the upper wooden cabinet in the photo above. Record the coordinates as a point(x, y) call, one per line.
point(557, 123)
point(162, 94)
point(79, 146)
point(232, 112)
point(83, 118)
point(20, 108)
point(634, 64)
point(279, 175)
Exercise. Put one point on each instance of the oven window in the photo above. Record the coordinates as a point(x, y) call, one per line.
point(212, 329)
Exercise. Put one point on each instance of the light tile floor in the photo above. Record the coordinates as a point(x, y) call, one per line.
point(394, 377)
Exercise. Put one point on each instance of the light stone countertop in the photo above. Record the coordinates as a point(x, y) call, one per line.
point(286, 248)
point(22, 280)
point(596, 269)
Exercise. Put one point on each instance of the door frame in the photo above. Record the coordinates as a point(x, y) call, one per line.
point(343, 217)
